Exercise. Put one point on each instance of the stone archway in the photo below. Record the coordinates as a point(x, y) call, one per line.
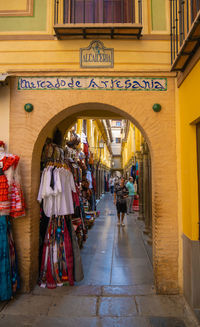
point(29, 131)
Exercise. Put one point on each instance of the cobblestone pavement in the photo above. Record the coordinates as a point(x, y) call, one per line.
point(117, 290)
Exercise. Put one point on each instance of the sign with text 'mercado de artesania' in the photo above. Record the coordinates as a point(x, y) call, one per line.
point(96, 56)
point(93, 83)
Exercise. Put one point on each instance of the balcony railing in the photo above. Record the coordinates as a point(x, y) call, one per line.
point(185, 31)
point(104, 18)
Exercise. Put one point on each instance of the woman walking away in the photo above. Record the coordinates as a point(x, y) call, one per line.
point(131, 189)
point(120, 197)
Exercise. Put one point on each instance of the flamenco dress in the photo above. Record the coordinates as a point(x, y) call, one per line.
point(5, 272)
point(9, 279)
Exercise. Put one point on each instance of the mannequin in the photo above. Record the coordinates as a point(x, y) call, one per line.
point(11, 206)
point(3, 180)
point(2, 149)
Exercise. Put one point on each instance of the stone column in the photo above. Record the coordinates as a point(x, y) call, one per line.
point(96, 178)
point(146, 189)
point(101, 181)
point(98, 181)
point(139, 158)
point(149, 200)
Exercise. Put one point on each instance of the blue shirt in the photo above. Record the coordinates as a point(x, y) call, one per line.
point(130, 187)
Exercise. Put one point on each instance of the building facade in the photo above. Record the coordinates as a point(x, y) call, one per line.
point(69, 65)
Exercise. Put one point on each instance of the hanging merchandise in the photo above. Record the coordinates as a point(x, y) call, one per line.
point(136, 196)
point(136, 203)
point(56, 188)
point(83, 138)
point(74, 140)
point(91, 159)
point(89, 178)
point(67, 195)
point(78, 168)
point(86, 149)
point(137, 170)
point(134, 169)
point(62, 229)
point(55, 196)
point(57, 259)
point(11, 206)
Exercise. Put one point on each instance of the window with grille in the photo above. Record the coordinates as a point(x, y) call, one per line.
point(195, 6)
point(99, 11)
point(118, 140)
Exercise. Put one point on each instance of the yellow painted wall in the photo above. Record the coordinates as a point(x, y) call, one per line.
point(5, 113)
point(189, 103)
point(138, 139)
point(57, 55)
point(62, 55)
point(79, 126)
point(130, 55)
point(133, 143)
point(13, 5)
point(103, 154)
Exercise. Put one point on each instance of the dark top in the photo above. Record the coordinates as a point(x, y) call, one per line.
point(121, 193)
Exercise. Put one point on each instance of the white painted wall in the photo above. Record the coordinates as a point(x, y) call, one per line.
point(117, 163)
point(116, 149)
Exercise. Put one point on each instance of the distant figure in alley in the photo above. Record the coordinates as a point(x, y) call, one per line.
point(120, 198)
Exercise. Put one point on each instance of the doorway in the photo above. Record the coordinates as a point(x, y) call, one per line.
point(87, 150)
point(53, 107)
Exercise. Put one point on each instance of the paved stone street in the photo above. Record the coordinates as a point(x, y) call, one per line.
point(117, 290)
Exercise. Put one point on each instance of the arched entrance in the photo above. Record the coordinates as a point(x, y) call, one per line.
point(29, 131)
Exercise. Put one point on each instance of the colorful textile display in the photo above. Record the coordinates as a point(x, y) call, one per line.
point(11, 206)
point(136, 203)
point(58, 195)
point(11, 196)
point(67, 189)
point(5, 272)
point(57, 259)
point(56, 188)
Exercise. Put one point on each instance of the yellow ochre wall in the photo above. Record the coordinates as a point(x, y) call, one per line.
point(189, 104)
point(151, 52)
point(64, 55)
point(134, 141)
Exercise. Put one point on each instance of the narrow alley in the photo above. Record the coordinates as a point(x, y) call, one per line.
point(115, 255)
point(117, 289)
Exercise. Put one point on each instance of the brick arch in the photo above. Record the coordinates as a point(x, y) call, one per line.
point(52, 107)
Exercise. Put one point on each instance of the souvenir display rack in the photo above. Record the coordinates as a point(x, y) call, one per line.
point(67, 196)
